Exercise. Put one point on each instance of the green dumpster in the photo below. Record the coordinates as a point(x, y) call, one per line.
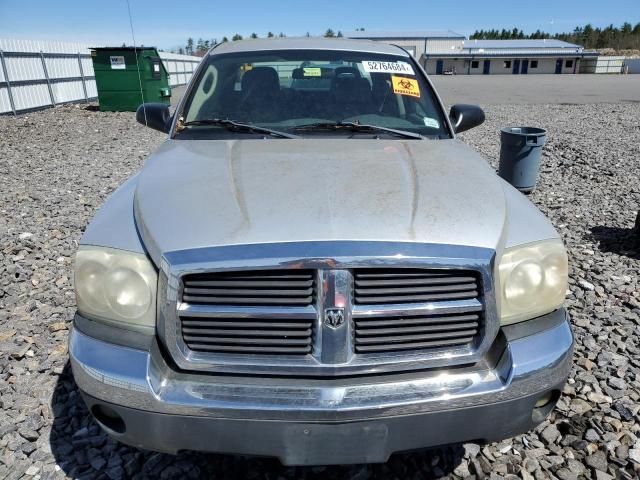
point(126, 77)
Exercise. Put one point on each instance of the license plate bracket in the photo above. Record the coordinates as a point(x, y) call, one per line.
point(359, 442)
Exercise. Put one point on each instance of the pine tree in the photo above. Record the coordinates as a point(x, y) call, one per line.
point(270, 35)
point(189, 48)
point(236, 37)
point(627, 36)
point(254, 35)
point(329, 33)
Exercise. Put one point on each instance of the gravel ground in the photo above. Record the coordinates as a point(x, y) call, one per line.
point(56, 168)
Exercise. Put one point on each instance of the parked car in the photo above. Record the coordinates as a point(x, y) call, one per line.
point(323, 275)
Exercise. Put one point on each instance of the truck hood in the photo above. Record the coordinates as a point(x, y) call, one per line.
point(203, 193)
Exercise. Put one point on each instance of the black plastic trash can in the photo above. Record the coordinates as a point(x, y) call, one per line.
point(520, 153)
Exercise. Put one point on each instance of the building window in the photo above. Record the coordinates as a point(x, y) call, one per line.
point(534, 63)
point(569, 64)
point(506, 64)
point(475, 64)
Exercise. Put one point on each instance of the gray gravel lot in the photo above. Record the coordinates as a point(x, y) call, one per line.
point(57, 167)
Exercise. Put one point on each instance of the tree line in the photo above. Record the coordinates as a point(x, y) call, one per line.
point(625, 37)
point(201, 46)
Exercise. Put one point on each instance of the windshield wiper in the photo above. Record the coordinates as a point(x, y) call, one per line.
point(357, 127)
point(233, 125)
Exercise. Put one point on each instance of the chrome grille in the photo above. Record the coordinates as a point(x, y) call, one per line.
point(379, 286)
point(235, 335)
point(264, 314)
point(422, 330)
point(271, 287)
point(425, 306)
point(395, 333)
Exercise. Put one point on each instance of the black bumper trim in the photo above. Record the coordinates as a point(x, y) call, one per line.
point(322, 443)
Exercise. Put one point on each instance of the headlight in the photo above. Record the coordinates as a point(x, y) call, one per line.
point(533, 280)
point(116, 286)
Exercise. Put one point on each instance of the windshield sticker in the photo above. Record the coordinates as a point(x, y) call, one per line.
point(312, 72)
point(405, 86)
point(387, 67)
point(431, 122)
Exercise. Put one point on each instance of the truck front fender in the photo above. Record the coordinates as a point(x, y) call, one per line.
point(114, 224)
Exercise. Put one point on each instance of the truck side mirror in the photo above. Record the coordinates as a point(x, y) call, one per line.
point(154, 115)
point(463, 117)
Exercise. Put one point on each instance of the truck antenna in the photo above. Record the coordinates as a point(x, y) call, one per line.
point(135, 50)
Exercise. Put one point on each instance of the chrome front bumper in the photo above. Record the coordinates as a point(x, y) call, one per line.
point(295, 419)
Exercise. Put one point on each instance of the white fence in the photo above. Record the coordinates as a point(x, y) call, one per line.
point(602, 65)
point(180, 67)
point(36, 74)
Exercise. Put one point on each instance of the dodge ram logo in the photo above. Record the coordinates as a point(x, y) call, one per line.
point(334, 317)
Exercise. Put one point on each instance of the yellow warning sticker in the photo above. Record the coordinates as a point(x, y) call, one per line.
point(312, 72)
point(405, 86)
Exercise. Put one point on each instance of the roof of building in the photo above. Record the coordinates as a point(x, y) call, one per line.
point(501, 44)
point(304, 43)
point(141, 48)
point(380, 35)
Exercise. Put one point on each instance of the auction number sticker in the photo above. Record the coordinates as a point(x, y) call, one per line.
point(387, 67)
point(312, 72)
point(405, 86)
point(117, 63)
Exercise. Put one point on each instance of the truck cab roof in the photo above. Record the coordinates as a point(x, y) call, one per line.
point(307, 43)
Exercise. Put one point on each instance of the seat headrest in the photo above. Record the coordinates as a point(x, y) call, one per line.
point(347, 72)
point(380, 84)
point(260, 79)
point(352, 90)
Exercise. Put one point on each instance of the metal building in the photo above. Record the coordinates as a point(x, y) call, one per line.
point(419, 42)
point(507, 57)
point(446, 52)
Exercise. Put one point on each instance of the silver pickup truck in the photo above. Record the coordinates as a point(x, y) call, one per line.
point(313, 267)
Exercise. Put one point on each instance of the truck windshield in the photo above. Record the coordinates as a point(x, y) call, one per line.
point(293, 90)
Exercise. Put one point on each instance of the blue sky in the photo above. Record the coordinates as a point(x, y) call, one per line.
point(167, 24)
